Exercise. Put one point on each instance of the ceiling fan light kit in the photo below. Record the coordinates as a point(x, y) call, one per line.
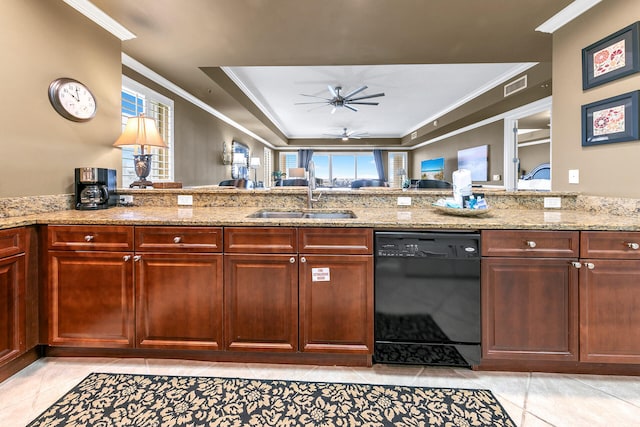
point(338, 100)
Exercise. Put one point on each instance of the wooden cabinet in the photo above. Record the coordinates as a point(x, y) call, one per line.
point(91, 292)
point(530, 295)
point(610, 297)
point(261, 289)
point(178, 287)
point(12, 294)
point(336, 290)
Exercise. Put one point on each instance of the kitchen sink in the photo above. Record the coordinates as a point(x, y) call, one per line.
point(270, 214)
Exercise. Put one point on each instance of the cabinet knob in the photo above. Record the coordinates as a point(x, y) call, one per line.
point(137, 257)
point(293, 259)
point(576, 264)
point(303, 259)
point(88, 238)
point(634, 246)
point(531, 243)
point(589, 265)
point(177, 239)
point(126, 258)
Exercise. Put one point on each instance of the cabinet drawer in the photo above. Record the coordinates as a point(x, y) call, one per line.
point(12, 241)
point(178, 239)
point(90, 238)
point(529, 243)
point(263, 240)
point(610, 244)
point(351, 241)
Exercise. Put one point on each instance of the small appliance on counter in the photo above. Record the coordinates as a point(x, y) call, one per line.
point(95, 188)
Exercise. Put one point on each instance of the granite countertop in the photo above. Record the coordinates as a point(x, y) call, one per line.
point(381, 218)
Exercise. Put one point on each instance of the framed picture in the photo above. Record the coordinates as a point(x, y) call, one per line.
point(615, 56)
point(611, 120)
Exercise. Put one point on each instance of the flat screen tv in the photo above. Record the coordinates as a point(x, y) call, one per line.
point(476, 160)
point(432, 169)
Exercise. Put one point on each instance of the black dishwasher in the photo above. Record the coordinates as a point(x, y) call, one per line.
point(427, 298)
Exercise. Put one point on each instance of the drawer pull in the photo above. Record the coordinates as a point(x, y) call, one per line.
point(292, 260)
point(576, 264)
point(633, 246)
point(303, 259)
point(589, 265)
point(88, 238)
point(531, 243)
point(126, 258)
point(137, 258)
point(177, 239)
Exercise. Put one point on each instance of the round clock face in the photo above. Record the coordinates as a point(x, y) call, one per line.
point(72, 99)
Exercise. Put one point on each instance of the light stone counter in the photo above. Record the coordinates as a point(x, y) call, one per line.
point(379, 218)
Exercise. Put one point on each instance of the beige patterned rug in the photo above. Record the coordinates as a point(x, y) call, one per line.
point(105, 400)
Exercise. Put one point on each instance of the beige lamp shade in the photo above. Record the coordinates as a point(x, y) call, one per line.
point(254, 162)
point(140, 131)
point(296, 173)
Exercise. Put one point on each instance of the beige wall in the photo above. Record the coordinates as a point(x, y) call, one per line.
point(41, 41)
point(609, 169)
point(491, 134)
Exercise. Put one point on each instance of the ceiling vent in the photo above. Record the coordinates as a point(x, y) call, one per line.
point(515, 86)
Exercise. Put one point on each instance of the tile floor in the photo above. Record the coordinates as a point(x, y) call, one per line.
point(531, 399)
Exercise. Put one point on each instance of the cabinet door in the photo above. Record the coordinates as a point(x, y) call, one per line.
point(261, 302)
point(529, 309)
point(91, 299)
point(179, 301)
point(12, 307)
point(610, 311)
point(336, 303)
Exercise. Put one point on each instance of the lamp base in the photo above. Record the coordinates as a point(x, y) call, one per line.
point(141, 183)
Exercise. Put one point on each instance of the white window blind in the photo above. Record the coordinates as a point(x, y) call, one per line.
point(138, 99)
point(267, 168)
point(287, 161)
point(396, 161)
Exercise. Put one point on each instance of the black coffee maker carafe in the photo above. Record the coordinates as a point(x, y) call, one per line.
point(95, 188)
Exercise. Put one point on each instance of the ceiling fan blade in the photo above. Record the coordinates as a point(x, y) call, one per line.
point(365, 97)
point(350, 107)
point(353, 92)
point(333, 110)
point(314, 102)
point(332, 91)
point(314, 96)
point(360, 103)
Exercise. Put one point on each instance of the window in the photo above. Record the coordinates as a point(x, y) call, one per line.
point(287, 161)
point(340, 169)
point(397, 161)
point(138, 99)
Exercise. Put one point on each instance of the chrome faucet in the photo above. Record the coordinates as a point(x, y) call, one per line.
point(311, 185)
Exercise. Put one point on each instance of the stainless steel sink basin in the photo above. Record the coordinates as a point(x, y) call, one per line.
point(271, 214)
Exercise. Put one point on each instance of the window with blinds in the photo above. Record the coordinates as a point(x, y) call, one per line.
point(138, 99)
point(397, 161)
point(288, 161)
point(267, 168)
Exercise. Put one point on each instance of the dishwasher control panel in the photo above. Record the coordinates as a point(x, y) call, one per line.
point(428, 245)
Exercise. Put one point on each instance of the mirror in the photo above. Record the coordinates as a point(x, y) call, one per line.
point(534, 151)
point(240, 160)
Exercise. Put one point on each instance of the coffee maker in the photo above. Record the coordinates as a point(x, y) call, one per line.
point(95, 188)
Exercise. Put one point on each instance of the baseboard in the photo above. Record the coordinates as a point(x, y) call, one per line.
point(16, 365)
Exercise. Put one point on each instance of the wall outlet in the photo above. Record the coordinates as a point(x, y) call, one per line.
point(185, 200)
point(497, 177)
point(553, 202)
point(126, 199)
point(404, 201)
point(574, 176)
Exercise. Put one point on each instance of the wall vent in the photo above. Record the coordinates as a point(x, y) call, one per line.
point(515, 86)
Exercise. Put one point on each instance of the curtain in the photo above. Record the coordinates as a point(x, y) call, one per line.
point(377, 156)
point(303, 158)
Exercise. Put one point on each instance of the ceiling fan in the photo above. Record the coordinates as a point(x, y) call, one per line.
point(345, 136)
point(338, 100)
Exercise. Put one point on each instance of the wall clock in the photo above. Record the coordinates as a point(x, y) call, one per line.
point(72, 99)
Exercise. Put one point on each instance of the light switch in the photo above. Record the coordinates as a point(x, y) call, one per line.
point(185, 200)
point(574, 176)
point(404, 201)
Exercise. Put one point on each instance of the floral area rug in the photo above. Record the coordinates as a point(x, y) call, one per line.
point(104, 400)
